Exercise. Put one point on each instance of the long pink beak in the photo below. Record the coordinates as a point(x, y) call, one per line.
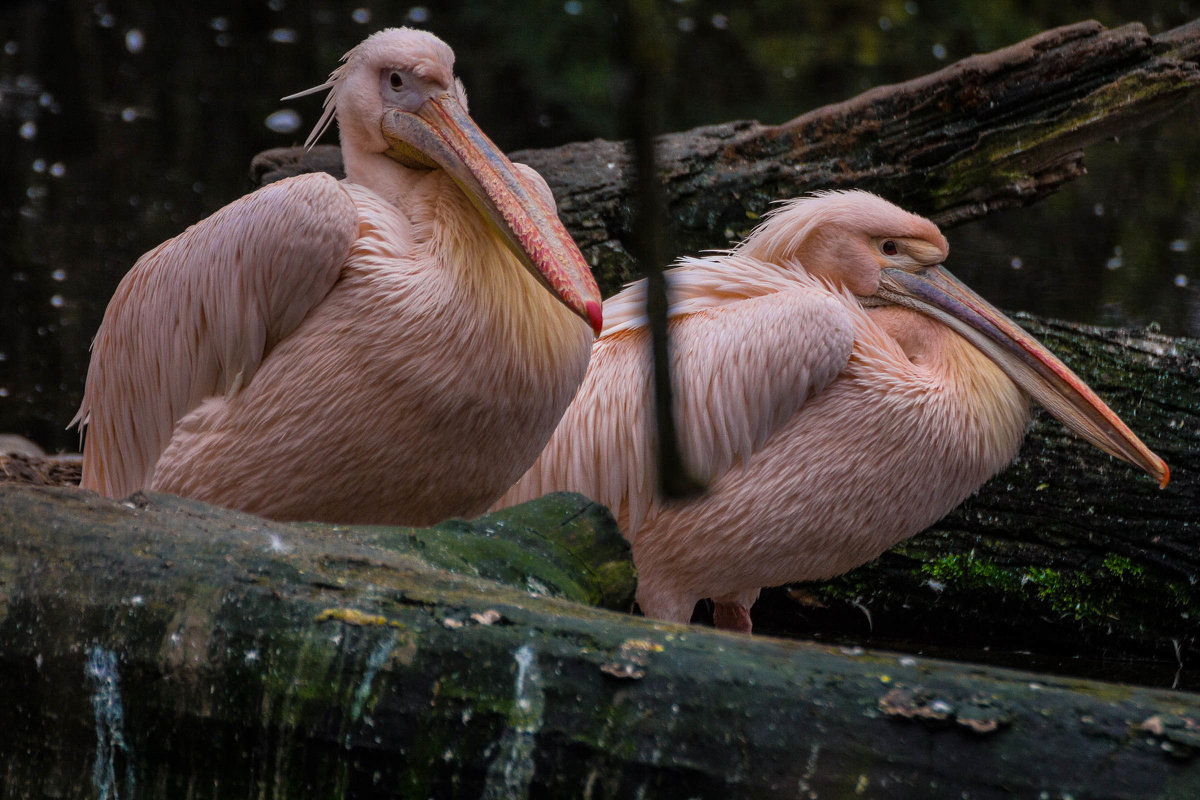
point(937, 293)
point(441, 133)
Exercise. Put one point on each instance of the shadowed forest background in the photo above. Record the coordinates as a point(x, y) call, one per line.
point(122, 123)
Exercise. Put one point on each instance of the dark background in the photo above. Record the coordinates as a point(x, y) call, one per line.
point(121, 123)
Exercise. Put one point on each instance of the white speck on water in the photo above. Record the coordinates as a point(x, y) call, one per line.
point(1181, 280)
point(58, 169)
point(283, 36)
point(911, 8)
point(59, 275)
point(789, 72)
point(57, 301)
point(285, 120)
point(250, 656)
point(1098, 209)
point(418, 14)
point(219, 23)
point(39, 165)
point(45, 99)
point(223, 39)
point(686, 24)
point(1117, 260)
point(1016, 262)
point(573, 7)
point(28, 131)
point(128, 114)
point(3, 392)
point(135, 40)
point(361, 15)
point(275, 5)
point(11, 48)
point(720, 21)
point(106, 20)
point(1179, 246)
point(939, 51)
point(885, 24)
point(908, 661)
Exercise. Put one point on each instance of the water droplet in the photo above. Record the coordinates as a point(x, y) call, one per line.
point(789, 72)
point(3, 392)
point(285, 120)
point(59, 275)
point(11, 48)
point(418, 14)
point(28, 131)
point(544, 120)
point(911, 8)
point(1117, 261)
point(1181, 281)
point(57, 301)
point(135, 40)
point(885, 24)
point(686, 24)
point(939, 51)
point(58, 169)
point(573, 7)
point(39, 165)
point(1180, 246)
point(1098, 209)
point(282, 36)
point(361, 15)
point(219, 23)
point(275, 5)
point(720, 21)
point(106, 20)
point(1017, 263)
point(45, 100)
point(128, 114)
point(223, 40)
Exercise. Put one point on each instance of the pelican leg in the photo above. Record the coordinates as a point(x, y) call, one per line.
point(732, 611)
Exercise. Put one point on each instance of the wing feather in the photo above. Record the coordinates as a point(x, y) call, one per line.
point(741, 369)
point(196, 316)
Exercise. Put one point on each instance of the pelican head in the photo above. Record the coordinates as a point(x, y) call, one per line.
point(396, 95)
point(888, 256)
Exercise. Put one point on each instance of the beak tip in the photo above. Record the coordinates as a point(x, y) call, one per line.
point(595, 316)
point(1166, 476)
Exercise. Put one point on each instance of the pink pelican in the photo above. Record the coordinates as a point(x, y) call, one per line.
point(837, 389)
point(396, 347)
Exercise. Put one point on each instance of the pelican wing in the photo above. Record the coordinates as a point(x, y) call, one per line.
point(740, 368)
point(197, 316)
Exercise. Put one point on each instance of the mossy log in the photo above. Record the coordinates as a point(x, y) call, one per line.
point(989, 132)
point(160, 648)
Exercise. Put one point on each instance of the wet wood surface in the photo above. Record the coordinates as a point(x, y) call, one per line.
point(156, 647)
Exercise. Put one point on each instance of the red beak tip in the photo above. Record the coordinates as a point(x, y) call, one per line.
point(1166, 477)
point(595, 316)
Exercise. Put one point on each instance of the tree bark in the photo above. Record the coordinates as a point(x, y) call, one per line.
point(159, 648)
point(989, 132)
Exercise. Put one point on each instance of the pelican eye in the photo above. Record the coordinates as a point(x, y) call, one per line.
point(396, 80)
point(889, 248)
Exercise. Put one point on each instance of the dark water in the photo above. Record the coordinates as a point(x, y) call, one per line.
point(123, 122)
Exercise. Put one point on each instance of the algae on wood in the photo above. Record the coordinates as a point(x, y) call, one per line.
point(161, 648)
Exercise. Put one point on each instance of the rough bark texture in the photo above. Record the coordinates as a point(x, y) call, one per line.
point(989, 132)
point(159, 648)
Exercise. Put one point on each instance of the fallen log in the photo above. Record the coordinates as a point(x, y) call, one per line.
point(989, 132)
point(159, 648)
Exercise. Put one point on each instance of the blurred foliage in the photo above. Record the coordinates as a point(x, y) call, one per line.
point(124, 121)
